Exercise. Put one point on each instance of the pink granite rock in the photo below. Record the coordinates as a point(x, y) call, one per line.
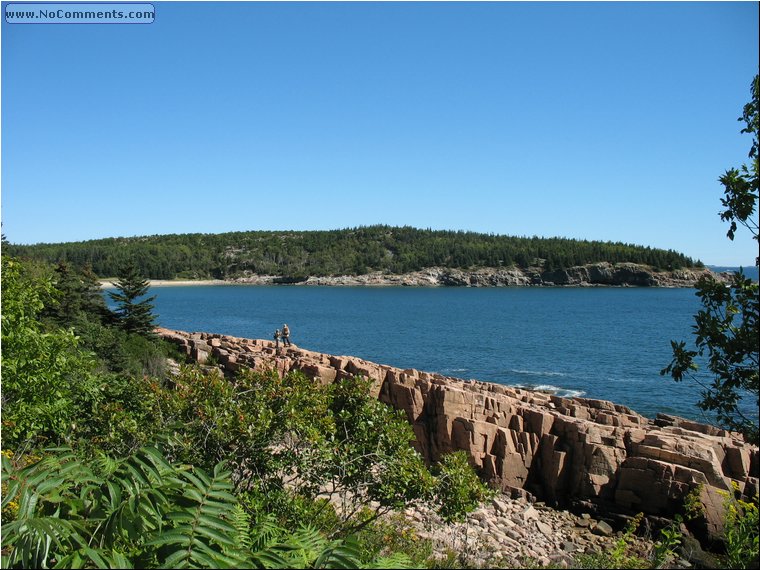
point(561, 449)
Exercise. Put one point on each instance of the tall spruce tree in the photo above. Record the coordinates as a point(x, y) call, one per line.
point(134, 316)
point(726, 328)
point(79, 298)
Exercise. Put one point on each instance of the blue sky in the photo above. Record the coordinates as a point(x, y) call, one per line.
point(608, 121)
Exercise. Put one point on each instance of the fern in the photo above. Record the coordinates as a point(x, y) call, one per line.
point(69, 515)
point(202, 535)
point(342, 554)
point(397, 560)
point(43, 490)
point(142, 511)
point(241, 520)
point(308, 548)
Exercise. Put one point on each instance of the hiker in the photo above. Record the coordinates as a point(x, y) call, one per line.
point(277, 339)
point(285, 335)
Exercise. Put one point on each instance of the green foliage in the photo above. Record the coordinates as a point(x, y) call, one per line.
point(727, 332)
point(291, 439)
point(128, 416)
point(264, 424)
point(395, 535)
point(134, 316)
point(373, 456)
point(144, 512)
point(78, 297)
point(48, 380)
point(76, 303)
point(458, 488)
point(307, 548)
point(74, 513)
point(726, 329)
point(289, 443)
point(670, 540)
point(201, 532)
point(289, 509)
point(122, 352)
point(742, 186)
point(741, 532)
point(296, 255)
point(620, 556)
point(692, 503)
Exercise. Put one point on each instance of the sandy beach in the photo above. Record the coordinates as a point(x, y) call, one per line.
point(105, 283)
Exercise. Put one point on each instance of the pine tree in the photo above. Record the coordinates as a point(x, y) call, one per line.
point(134, 317)
point(80, 296)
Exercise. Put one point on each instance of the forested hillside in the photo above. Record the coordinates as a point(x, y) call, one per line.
point(354, 251)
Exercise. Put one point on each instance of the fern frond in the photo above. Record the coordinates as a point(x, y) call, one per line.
point(202, 529)
point(265, 533)
point(241, 520)
point(308, 539)
point(340, 554)
point(396, 561)
point(33, 537)
point(269, 559)
point(303, 547)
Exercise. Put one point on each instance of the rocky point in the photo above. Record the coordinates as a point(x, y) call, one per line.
point(575, 453)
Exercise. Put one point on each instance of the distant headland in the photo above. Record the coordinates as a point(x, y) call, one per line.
point(375, 255)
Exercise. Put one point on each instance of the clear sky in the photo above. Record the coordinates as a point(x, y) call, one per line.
point(608, 121)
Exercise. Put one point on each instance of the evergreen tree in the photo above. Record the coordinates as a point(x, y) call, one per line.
point(134, 317)
point(79, 296)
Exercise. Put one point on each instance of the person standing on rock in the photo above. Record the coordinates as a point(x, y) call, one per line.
point(277, 339)
point(285, 335)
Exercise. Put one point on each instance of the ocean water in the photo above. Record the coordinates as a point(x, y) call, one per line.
point(605, 343)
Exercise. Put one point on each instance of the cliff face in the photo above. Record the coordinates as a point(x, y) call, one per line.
point(564, 450)
point(598, 274)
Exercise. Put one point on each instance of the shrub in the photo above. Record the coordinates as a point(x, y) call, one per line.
point(48, 380)
point(458, 489)
point(143, 511)
point(741, 531)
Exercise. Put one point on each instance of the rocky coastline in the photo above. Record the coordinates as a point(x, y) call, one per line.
point(585, 466)
point(592, 275)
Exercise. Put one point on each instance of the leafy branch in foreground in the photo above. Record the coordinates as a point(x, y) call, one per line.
point(726, 328)
point(726, 331)
point(742, 186)
point(144, 512)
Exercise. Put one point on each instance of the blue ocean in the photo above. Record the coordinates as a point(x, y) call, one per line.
point(605, 343)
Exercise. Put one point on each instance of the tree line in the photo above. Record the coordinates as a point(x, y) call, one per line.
point(351, 251)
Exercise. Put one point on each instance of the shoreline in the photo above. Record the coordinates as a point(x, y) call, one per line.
point(594, 275)
point(108, 283)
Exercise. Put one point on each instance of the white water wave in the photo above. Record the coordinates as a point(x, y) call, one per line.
point(556, 390)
